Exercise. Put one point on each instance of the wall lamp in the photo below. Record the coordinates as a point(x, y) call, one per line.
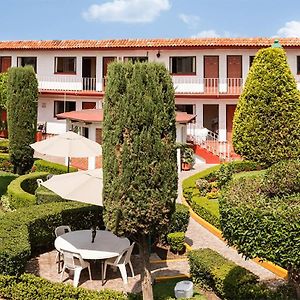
point(158, 54)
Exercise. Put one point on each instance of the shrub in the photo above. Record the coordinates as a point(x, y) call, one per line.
point(5, 164)
point(25, 232)
point(228, 280)
point(43, 195)
point(5, 180)
point(203, 186)
point(29, 287)
point(4, 143)
point(266, 121)
point(41, 165)
point(260, 226)
point(21, 190)
point(176, 241)
point(22, 102)
point(283, 178)
point(180, 219)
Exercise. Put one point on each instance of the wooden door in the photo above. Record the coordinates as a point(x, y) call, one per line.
point(106, 61)
point(230, 109)
point(5, 63)
point(211, 73)
point(99, 135)
point(234, 71)
point(88, 105)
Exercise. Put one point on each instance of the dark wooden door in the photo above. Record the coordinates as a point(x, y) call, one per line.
point(88, 105)
point(106, 61)
point(5, 63)
point(234, 70)
point(211, 73)
point(230, 109)
point(99, 135)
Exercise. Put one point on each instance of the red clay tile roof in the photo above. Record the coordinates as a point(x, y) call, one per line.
point(96, 115)
point(148, 43)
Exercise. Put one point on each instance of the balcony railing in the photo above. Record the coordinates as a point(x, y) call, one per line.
point(69, 83)
point(209, 86)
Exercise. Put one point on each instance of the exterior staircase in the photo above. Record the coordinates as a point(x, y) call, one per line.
point(208, 147)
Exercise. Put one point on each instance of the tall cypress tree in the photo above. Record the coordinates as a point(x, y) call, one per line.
point(139, 156)
point(22, 99)
point(266, 122)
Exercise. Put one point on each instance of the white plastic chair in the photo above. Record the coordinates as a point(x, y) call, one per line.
point(75, 263)
point(121, 261)
point(39, 181)
point(60, 230)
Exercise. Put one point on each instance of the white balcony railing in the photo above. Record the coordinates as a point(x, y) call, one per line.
point(69, 83)
point(211, 86)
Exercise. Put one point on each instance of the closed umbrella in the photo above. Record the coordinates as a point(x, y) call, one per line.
point(82, 186)
point(68, 144)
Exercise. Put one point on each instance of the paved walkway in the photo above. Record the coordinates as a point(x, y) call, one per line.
point(199, 237)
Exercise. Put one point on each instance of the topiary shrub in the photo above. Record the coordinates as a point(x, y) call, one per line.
point(41, 165)
point(21, 190)
point(22, 102)
point(203, 186)
point(266, 121)
point(283, 178)
point(176, 241)
point(29, 287)
point(5, 179)
point(180, 219)
point(4, 144)
point(27, 232)
point(260, 226)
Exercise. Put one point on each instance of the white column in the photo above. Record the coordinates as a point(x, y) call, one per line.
point(79, 66)
point(91, 163)
point(222, 122)
point(99, 74)
point(199, 70)
point(199, 113)
point(223, 73)
point(178, 161)
point(245, 66)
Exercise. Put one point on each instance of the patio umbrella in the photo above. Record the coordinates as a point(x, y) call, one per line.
point(82, 186)
point(68, 144)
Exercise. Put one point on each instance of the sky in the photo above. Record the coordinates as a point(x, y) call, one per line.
point(116, 19)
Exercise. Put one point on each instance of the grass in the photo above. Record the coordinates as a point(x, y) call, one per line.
point(212, 205)
point(249, 174)
point(165, 290)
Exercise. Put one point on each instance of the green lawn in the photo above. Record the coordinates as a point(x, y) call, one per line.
point(165, 290)
point(249, 174)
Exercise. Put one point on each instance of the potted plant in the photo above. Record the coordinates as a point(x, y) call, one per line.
point(187, 158)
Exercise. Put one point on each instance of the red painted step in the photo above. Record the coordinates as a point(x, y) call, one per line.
point(209, 157)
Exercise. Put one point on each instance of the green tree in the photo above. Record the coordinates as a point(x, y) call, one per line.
point(22, 97)
point(266, 122)
point(3, 90)
point(139, 155)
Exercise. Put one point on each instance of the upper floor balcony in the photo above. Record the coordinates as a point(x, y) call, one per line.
point(182, 84)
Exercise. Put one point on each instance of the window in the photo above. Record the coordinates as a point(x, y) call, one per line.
point(27, 61)
point(135, 59)
point(183, 65)
point(65, 65)
point(63, 106)
point(88, 105)
point(298, 65)
point(251, 59)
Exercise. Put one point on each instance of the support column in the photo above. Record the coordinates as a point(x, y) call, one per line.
point(223, 73)
point(245, 67)
point(199, 113)
point(222, 122)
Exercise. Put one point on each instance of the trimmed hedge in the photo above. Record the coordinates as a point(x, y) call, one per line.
point(228, 280)
point(41, 165)
point(43, 195)
point(21, 190)
point(25, 232)
point(29, 287)
point(176, 241)
point(4, 144)
point(5, 179)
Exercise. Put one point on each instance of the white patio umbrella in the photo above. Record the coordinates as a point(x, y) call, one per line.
point(82, 186)
point(68, 144)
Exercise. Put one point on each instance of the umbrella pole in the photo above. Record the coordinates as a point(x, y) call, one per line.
point(68, 164)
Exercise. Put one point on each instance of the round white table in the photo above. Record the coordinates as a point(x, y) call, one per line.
point(106, 244)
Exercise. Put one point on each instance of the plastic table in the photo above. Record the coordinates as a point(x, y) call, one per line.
point(106, 245)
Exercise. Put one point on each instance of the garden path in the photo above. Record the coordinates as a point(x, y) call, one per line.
point(199, 237)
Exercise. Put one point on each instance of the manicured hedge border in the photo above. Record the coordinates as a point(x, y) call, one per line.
point(25, 232)
point(5, 179)
point(21, 190)
point(29, 287)
point(5, 164)
point(230, 281)
point(41, 165)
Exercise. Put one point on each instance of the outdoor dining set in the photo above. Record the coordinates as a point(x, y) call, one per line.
point(76, 249)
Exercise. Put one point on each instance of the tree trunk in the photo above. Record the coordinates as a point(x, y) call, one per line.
point(145, 272)
point(294, 280)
